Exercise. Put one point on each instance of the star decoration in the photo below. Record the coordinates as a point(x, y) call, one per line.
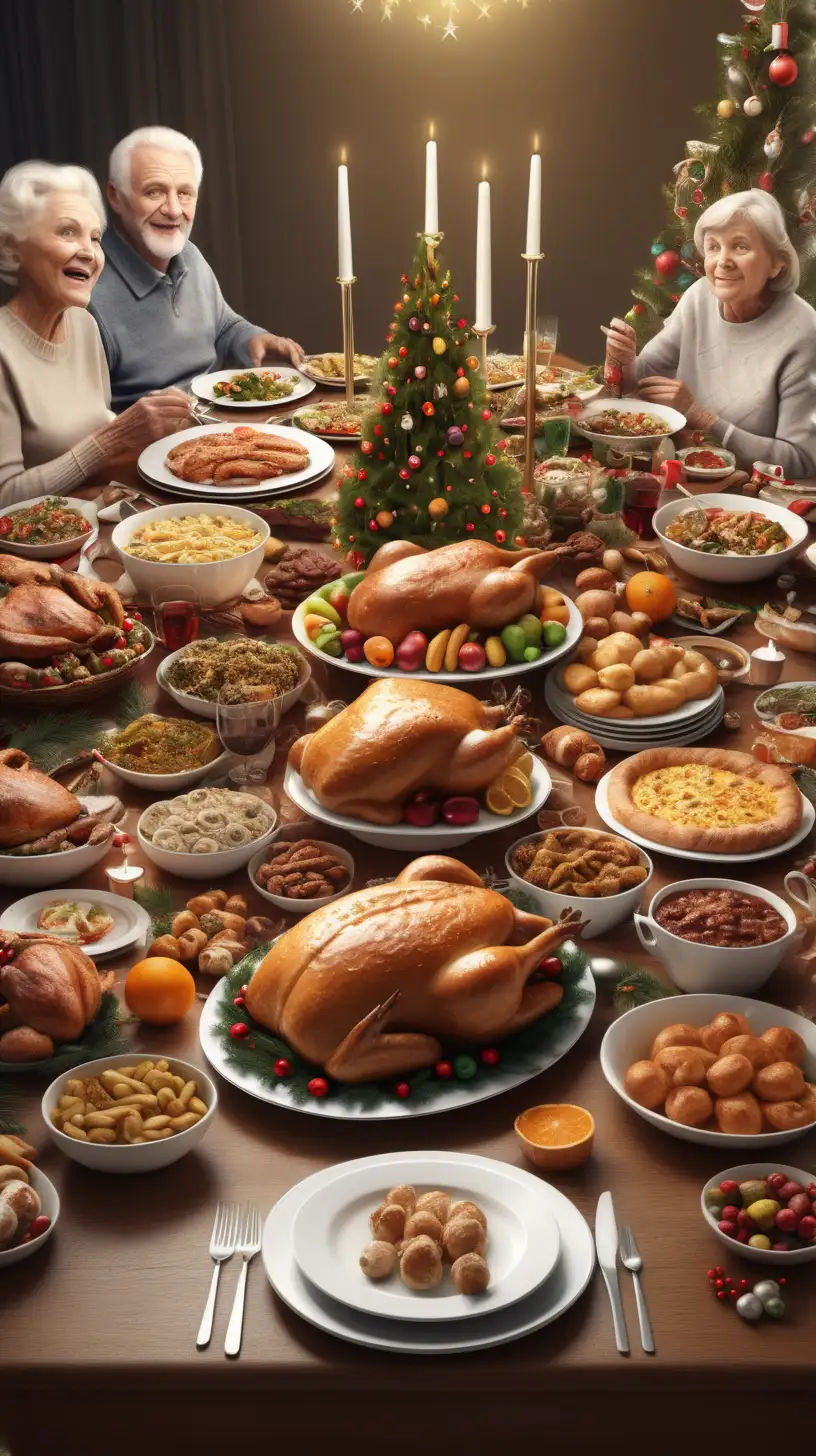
point(449, 30)
point(428, 12)
point(356, 5)
point(424, 20)
point(484, 10)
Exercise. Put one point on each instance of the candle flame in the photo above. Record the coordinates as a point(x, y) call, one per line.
point(431, 130)
point(536, 143)
point(343, 156)
point(484, 171)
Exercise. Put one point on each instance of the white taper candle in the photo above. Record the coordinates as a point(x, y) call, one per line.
point(431, 192)
point(534, 206)
point(345, 267)
point(484, 280)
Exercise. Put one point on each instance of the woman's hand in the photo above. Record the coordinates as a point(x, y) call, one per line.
point(149, 419)
point(621, 342)
point(657, 389)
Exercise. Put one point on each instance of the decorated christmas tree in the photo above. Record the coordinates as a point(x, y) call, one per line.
point(431, 467)
point(761, 133)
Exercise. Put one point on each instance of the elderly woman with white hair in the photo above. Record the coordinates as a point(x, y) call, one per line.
point(737, 356)
point(56, 426)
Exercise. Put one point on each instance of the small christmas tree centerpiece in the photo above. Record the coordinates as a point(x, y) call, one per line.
point(431, 467)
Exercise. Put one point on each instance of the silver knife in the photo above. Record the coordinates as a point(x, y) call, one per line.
point(606, 1242)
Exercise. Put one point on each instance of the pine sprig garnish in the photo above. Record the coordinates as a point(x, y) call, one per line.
point(101, 1039)
point(157, 900)
point(131, 703)
point(637, 987)
point(51, 738)
point(8, 1122)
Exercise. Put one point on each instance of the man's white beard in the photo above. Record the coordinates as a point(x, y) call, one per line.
point(161, 244)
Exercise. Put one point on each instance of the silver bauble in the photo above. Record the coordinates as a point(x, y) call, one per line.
point(749, 1307)
point(752, 106)
point(767, 1289)
point(406, 422)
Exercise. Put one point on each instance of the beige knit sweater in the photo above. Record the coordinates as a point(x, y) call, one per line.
point(52, 398)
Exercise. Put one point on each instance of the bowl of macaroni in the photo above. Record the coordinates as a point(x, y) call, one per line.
point(215, 549)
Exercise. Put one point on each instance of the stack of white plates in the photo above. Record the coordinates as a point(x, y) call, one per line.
point(153, 469)
point(688, 724)
point(540, 1252)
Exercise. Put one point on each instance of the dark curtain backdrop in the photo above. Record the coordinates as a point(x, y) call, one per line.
point(76, 75)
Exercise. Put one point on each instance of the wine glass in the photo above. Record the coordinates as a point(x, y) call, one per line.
point(247, 718)
point(176, 614)
point(546, 341)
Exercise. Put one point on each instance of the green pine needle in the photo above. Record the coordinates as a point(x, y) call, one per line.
point(637, 987)
point(8, 1122)
point(51, 738)
point(157, 900)
point(130, 704)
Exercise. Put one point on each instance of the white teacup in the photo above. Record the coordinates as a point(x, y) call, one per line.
point(716, 968)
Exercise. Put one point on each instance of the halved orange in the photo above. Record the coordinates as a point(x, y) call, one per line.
point(511, 790)
point(556, 1135)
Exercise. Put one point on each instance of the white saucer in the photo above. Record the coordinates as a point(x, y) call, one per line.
point(332, 1229)
point(602, 806)
point(131, 922)
point(550, 1300)
point(204, 386)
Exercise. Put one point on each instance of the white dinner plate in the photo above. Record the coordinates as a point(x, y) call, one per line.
point(687, 712)
point(452, 1094)
point(628, 728)
point(551, 1299)
point(717, 472)
point(622, 744)
point(766, 717)
point(602, 806)
point(672, 419)
point(330, 382)
point(152, 465)
point(259, 494)
point(460, 678)
point(204, 386)
point(52, 550)
point(332, 1229)
point(131, 922)
point(320, 435)
point(406, 836)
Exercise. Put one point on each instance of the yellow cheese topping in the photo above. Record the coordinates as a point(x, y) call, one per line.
point(703, 797)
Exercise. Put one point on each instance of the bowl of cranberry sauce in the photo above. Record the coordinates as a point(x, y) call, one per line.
point(718, 935)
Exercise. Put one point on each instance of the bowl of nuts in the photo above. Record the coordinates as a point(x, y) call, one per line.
point(129, 1113)
point(302, 875)
point(600, 874)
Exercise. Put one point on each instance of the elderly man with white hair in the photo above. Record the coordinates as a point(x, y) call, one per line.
point(737, 356)
point(161, 313)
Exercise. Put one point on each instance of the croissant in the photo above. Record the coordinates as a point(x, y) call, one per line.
point(573, 748)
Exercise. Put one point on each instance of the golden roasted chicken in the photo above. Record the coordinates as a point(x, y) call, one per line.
point(46, 611)
point(37, 814)
point(51, 990)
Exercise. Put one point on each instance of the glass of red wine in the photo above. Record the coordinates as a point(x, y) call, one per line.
point(176, 614)
point(247, 718)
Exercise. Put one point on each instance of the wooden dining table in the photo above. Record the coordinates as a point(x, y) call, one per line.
point(97, 1331)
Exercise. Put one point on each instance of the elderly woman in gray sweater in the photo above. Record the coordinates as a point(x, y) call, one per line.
point(737, 356)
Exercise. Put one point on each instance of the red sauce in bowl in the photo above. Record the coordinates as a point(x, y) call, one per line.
point(721, 917)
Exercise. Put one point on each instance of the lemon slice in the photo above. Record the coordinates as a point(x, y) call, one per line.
point(498, 802)
point(524, 764)
point(517, 787)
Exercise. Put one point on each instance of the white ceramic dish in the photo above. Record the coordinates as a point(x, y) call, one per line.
point(713, 968)
point(201, 708)
point(550, 1300)
point(688, 739)
point(600, 914)
point(152, 465)
point(452, 1095)
point(215, 581)
point(335, 439)
point(302, 907)
point(550, 387)
point(331, 1230)
point(761, 713)
point(406, 836)
point(629, 1039)
point(131, 922)
point(731, 569)
point(674, 421)
point(699, 472)
point(34, 871)
point(174, 783)
point(49, 1198)
point(212, 867)
point(687, 712)
point(257, 496)
point(204, 386)
point(461, 679)
point(52, 550)
point(602, 806)
point(740, 1174)
point(131, 1157)
point(328, 381)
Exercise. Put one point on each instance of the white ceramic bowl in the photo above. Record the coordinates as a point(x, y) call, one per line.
point(629, 1039)
point(38, 871)
point(49, 1198)
point(674, 421)
point(200, 708)
point(740, 1174)
point(212, 867)
point(703, 472)
point(172, 783)
point(711, 568)
point(131, 1157)
point(304, 907)
point(52, 550)
point(600, 914)
point(713, 968)
point(215, 581)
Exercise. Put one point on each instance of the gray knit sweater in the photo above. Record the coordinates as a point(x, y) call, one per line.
point(759, 378)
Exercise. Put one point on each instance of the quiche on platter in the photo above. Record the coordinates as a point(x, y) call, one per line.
point(706, 799)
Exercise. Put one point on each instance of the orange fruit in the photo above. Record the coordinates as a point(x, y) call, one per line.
point(556, 1135)
point(525, 764)
point(511, 790)
point(159, 990)
point(651, 592)
point(556, 613)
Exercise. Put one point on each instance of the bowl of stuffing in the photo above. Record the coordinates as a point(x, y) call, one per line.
point(195, 675)
point(155, 753)
point(600, 874)
point(207, 833)
point(210, 548)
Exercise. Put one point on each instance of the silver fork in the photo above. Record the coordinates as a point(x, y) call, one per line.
point(631, 1260)
point(249, 1242)
point(222, 1246)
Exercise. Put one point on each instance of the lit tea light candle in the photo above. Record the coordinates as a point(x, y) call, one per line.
point(122, 877)
point(766, 665)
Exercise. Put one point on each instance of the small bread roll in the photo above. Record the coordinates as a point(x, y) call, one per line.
point(470, 1274)
point(421, 1264)
point(596, 627)
point(378, 1260)
point(647, 1084)
point(463, 1235)
point(388, 1222)
point(468, 1209)
point(21, 1199)
point(669, 655)
point(11, 1174)
point(678, 1034)
point(587, 647)
point(724, 1025)
point(807, 1099)
point(758, 1052)
point(437, 1203)
point(597, 701)
point(650, 700)
point(730, 1075)
point(785, 1116)
point(647, 665)
point(691, 1106)
point(579, 677)
point(422, 1221)
point(787, 1044)
point(684, 1065)
point(618, 677)
point(620, 712)
point(617, 647)
point(780, 1082)
point(404, 1195)
point(741, 1114)
point(8, 1225)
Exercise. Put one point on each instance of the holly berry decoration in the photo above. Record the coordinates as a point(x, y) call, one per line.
point(239, 1030)
point(766, 182)
point(318, 1087)
point(667, 263)
point(282, 1068)
point(490, 1056)
point(444, 1070)
point(551, 966)
point(403, 1089)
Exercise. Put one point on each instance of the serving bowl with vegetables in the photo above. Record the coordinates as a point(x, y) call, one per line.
point(726, 538)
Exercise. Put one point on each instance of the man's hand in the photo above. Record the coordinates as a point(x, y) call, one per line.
point(657, 389)
point(261, 344)
point(621, 342)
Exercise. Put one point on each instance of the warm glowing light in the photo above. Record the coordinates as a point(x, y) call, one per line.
point(536, 143)
point(449, 30)
point(484, 171)
point(431, 131)
point(439, 14)
point(343, 156)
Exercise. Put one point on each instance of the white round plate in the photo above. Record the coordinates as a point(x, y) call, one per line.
point(320, 435)
point(686, 713)
point(131, 922)
point(258, 495)
point(331, 383)
point(331, 1230)
point(452, 1094)
point(201, 708)
point(52, 550)
point(566, 1285)
point(766, 717)
point(152, 466)
point(461, 679)
point(674, 421)
point(406, 836)
point(602, 806)
point(204, 386)
point(628, 728)
point(717, 472)
point(687, 739)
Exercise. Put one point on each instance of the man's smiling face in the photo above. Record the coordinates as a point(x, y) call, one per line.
point(158, 211)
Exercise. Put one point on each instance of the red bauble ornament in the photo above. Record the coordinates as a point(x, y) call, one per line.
point(490, 460)
point(485, 414)
point(461, 323)
point(766, 182)
point(282, 1068)
point(404, 474)
point(238, 1001)
point(807, 138)
point(697, 197)
point(239, 1030)
point(428, 409)
point(467, 454)
point(501, 536)
point(356, 560)
point(638, 308)
point(402, 351)
point(449, 487)
point(386, 408)
point(470, 526)
point(378, 429)
point(359, 502)
point(393, 362)
point(318, 1087)
point(503, 514)
point(681, 212)
point(783, 70)
point(667, 263)
point(362, 474)
point(402, 1089)
point(391, 389)
point(372, 526)
point(403, 277)
point(367, 447)
point(485, 510)
point(444, 1070)
point(414, 462)
point(490, 1057)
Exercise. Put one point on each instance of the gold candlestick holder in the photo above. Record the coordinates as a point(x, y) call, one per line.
point(346, 285)
point(483, 335)
point(530, 342)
